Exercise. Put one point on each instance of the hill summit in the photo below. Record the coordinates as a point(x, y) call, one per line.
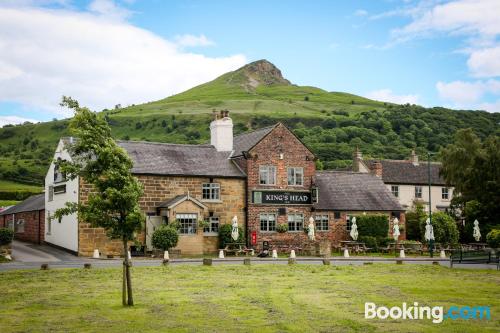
point(262, 72)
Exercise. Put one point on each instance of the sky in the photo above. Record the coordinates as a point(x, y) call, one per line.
point(105, 52)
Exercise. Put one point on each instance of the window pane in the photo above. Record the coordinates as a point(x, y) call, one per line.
point(188, 223)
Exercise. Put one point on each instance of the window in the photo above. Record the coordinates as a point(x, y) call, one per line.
point(418, 192)
point(395, 190)
point(296, 176)
point(58, 175)
point(49, 223)
point(348, 223)
point(51, 193)
point(336, 215)
point(59, 189)
point(267, 222)
point(213, 225)
point(295, 222)
point(445, 194)
point(19, 226)
point(211, 191)
point(321, 222)
point(188, 223)
point(267, 175)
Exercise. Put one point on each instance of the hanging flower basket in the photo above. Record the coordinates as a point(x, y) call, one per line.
point(282, 228)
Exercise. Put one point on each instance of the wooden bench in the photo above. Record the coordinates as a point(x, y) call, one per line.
point(237, 249)
point(474, 257)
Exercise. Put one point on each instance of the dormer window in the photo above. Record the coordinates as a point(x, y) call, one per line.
point(58, 175)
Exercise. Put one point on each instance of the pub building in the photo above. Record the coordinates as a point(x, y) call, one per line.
point(267, 178)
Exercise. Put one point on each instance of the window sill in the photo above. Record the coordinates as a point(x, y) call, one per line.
point(268, 232)
point(211, 200)
point(211, 234)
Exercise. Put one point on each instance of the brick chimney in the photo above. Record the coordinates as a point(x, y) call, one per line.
point(414, 158)
point(377, 168)
point(221, 131)
point(357, 157)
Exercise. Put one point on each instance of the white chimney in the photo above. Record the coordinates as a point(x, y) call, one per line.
point(414, 158)
point(221, 132)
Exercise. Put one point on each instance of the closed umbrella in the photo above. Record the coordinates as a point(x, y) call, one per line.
point(395, 229)
point(476, 231)
point(354, 229)
point(234, 232)
point(429, 230)
point(310, 229)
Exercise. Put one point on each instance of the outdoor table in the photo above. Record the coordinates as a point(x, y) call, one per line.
point(392, 247)
point(478, 246)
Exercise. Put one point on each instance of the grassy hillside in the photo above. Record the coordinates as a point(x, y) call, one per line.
point(331, 123)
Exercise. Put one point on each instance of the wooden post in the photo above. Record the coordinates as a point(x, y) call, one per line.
point(44, 267)
point(399, 262)
point(87, 265)
point(326, 261)
point(246, 261)
point(165, 262)
point(207, 262)
point(292, 261)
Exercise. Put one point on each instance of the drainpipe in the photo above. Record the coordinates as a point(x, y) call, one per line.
point(39, 237)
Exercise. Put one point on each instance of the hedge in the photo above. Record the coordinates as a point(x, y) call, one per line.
point(225, 235)
point(16, 195)
point(6, 236)
point(373, 225)
point(164, 238)
point(493, 238)
point(444, 226)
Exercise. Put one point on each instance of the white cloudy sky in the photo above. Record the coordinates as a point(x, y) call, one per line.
point(105, 52)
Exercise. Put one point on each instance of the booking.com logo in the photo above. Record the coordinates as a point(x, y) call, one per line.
point(418, 312)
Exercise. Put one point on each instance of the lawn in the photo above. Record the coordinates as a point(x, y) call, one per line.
point(257, 298)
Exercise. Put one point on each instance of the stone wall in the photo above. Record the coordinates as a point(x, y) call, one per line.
point(33, 221)
point(161, 188)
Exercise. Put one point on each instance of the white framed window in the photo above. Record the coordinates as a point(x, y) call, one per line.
point(51, 193)
point(445, 193)
point(295, 176)
point(267, 175)
point(211, 191)
point(295, 222)
point(58, 175)
point(213, 225)
point(348, 223)
point(188, 223)
point(321, 222)
point(19, 226)
point(395, 190)
point(49, 223)
point(267, 222)
point(418, 192)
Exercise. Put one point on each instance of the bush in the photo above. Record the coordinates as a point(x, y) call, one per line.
point(369, 241)
point(225, 235)
point(164, 238)
point(282, 228)
point(373, 225)
point(6, 236)
point(413, 219)
point(383, 241)
point(493, 238)
point(445, 228)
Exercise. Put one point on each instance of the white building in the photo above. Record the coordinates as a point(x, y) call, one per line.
point(408, 180)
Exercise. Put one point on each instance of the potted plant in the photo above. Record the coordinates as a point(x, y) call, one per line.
point(282, 228)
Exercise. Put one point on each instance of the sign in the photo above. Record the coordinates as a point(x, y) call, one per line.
point(254, 237)
point(281, 197)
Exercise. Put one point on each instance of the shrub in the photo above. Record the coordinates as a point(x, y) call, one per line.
point(493, 238)
point(413, 219)
point(165, 237)
point(383, 241)
point(225, 235)
point(6, 236)
point(445, 228)
point(373, 225)
point(369, 241)
point(282, 228)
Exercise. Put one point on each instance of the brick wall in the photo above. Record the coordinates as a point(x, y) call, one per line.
point(31, 231)
point(161, 188)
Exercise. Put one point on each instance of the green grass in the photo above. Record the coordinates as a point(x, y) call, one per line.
point(7, 186)
point(5, 203)
point(266, 298)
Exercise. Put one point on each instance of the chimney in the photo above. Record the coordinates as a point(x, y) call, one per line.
point(377, 168)
point(221, 131)
point(414, 158)
point(357, 157)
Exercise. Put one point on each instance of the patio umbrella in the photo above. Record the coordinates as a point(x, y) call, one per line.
point(395, 229)
point(476, 232)
point(234, 232)
point(429, 230)
point(310, 231)
point(354, 229)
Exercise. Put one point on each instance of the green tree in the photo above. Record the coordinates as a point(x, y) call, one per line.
point(444, 226)
point(100, 162)
point(165, 237)
point(471, 166)
point(413, 220)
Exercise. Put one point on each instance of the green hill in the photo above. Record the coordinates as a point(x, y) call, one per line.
point(331, 123)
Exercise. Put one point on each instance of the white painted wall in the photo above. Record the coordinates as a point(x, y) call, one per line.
point(64, 233)
point(407, 196)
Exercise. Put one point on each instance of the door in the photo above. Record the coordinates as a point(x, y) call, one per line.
point(152, 222)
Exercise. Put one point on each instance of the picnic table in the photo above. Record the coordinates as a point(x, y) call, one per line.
point(354, 246)
point(237, 249)
point(391, 247)
point(477, 246)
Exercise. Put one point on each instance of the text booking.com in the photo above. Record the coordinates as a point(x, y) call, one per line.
point(418, 312)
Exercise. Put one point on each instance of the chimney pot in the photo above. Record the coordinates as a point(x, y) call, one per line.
point(221, 132)
point(414, 158)
point(377, 169)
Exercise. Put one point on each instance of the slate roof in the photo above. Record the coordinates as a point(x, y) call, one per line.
point(181, 160)
point(404, 172)
point(245, 141)
point(353, 191)
point(33, 203)
point(178, 199)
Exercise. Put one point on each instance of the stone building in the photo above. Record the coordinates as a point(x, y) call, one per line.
point(266, 178)
point(408, 180)
point(27, 219)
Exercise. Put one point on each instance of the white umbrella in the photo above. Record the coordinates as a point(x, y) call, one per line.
point(429, 230)
point(477, 232)
point(234, 232)
point(395, 229)
point(354, 229)
point(310, 231)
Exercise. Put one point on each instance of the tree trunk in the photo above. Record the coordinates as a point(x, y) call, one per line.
point(124, 285)
point(130, 298)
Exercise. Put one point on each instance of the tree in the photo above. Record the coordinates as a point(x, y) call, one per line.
point(471, 165)
point(444, 227)
point(165, 237)
point(413, 220)
point(100, 162)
